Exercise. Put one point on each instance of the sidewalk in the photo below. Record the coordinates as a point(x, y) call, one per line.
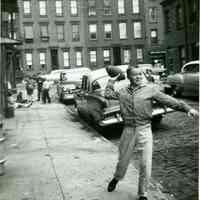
point(50, 157)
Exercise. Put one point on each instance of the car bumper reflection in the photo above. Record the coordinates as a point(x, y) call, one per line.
point(117, 119)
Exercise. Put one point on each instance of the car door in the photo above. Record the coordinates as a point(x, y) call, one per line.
point(81, 97)
point(191, 78)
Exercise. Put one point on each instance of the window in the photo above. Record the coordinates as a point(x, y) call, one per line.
point(179, 17)
point(66, 58)
point(106, 56)
point(43, 8)
point(126, 56)
point(78, 58)
point(121, 9)
point(29, 60)
point(107, 31)
point(107, 7)
point(137, 27)
point(182, 55)
point(42, 58)
point(27, 7)
point(154, 36)
point(93, 31)
point(135, 6)
point(59, 8)
point(75, 32)
point(139, 54)
point(93, 57)
point(60, 31)
point(167, 21)
point(192, 68)
point(122, 30)
point(28, 31)
point(73, 7)
point(91, 7)
point(44, 32)
point(153, 15)
point(193, 11)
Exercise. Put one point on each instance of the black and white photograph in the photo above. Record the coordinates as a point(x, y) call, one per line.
point(99, 100)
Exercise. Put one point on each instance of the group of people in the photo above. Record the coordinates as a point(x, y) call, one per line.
point(43, 86)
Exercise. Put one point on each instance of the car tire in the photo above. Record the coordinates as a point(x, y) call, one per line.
point(157, 119)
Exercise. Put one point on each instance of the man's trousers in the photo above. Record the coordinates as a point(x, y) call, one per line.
point(136, 140)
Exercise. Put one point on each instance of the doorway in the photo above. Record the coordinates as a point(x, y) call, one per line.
point(54, 59)
point(116, 56)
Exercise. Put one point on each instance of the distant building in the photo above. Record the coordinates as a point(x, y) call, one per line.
point(74, 33)
point(156, 52)
point(181, 26)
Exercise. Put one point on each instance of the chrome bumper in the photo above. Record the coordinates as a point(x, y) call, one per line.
point(68, 96)
point(118, 119)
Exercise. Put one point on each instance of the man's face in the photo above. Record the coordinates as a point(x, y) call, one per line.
point(136, 77)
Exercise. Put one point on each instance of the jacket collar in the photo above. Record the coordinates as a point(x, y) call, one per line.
point(132, 90)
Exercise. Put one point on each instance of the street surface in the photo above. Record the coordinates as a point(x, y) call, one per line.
point(52, 155)
point(175, 158)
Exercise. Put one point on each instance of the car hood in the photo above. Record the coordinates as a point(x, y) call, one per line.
point(176, 78)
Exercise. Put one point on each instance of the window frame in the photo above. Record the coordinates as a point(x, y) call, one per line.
point(57, 8)
point(28, 39)
point(27, 13)
point(135, 9)
point(80, 59)
point(154, 40)
point(72, 7)
point(153, 18)
point(129, 55)
point(92, 9)
point(73, 32)
point(107, 32)
point(90, 33)
point(107, 9)
point(139, 51)
point(107, 59)
point(66, 60)
point(120, 31)
point(63, 33)
point(44, 37)
point(93, 63)
point(29, 66)
point(179, 17)
point(120, 7)
point(135, 32)
point(43, 9)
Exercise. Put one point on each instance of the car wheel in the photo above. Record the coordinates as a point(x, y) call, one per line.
point(157, 119)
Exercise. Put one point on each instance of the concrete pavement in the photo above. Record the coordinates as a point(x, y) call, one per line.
point(52, 156)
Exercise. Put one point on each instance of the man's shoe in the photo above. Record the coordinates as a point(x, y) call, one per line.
point(142, 198)
point(112, 185)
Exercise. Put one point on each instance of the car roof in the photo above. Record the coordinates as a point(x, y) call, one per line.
point(190, 63)
point(95, 74)
point(78, 69)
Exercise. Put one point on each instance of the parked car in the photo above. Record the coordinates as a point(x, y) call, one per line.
point(186, 82)
point(70, 83)
point(94, 107)
point(54, 75)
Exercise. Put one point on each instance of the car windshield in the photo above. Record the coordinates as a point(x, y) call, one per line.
point(192, 68)
point(100, 84)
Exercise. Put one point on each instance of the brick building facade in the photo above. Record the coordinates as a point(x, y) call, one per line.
point(72, 33)
point(181, 26)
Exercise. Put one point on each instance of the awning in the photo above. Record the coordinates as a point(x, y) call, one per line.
point(9, 41)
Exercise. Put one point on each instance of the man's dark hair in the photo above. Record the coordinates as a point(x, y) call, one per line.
point(128, 71)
